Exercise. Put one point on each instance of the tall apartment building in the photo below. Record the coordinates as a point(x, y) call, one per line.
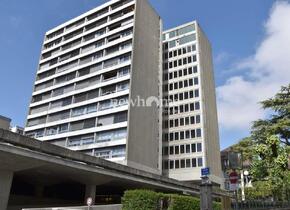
point(190, 127)
point(90, 68)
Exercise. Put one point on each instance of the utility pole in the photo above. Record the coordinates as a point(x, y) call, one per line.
point(242, 177)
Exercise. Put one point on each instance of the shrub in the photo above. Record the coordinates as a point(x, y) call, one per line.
point(140, 200)
point(217, 206)
point(180, 202)
point(150, 200)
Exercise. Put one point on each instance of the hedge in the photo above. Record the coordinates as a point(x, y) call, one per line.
point(150, 200)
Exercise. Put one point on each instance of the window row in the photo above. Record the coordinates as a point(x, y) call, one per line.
point(83, 72)
point(91, 17)
point(182, 135)
point(184, 95)
point(180, 31)
point(99, 137)
point(111, 152)
point(179, 41)
point(182, 163)
point(81, 85)
point(179, 62)
point(183, 108)
point(85, 39)
point(87, 109)
point(183, 121)
point(179, 73)
point(86, 49)
point(179, 52)
point(77, 125)
point(182, 149)
point(182, 84)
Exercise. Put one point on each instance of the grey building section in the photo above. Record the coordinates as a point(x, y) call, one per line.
point(143, 139)
point(190, 126)
point(4, 122)
point(210, 121)
point(89, 68)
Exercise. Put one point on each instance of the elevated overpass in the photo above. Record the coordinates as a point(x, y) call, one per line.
point(39, 174)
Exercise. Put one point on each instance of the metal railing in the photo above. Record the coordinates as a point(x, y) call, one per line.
point(260, 205)
point(100, 207)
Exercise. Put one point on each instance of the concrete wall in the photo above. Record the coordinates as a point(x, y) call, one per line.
point(6, 178)
point(143, 139)
point(209, 108)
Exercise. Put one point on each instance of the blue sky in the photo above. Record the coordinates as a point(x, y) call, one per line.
point(236, 30)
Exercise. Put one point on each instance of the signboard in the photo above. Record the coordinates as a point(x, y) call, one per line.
point(89, 201)
point(234, 178)
point(205, 171)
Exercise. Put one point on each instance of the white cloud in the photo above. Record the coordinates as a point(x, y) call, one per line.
point(264, 73)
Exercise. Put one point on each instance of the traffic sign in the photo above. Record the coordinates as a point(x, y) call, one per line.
point(234, 177)
point(205, 171)
point(89, 201)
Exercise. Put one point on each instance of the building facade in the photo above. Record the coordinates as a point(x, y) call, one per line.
point(190, 127)
point(90, 68)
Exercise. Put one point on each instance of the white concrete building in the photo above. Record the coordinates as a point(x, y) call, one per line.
point(89, 68)
point(190, 127)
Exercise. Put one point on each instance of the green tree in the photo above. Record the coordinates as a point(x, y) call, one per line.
point(246, 147)
point(272, 141)
point(279, 122)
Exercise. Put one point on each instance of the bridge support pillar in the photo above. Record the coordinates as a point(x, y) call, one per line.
point(6, 178)
point(206, 195)
point(90, 192)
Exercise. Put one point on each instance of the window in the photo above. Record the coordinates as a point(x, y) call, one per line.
point(197, 118)
point(38, 109)
point(186, 29)
point(176, 136)
point(59, 116)
point(65, 78)
point(121, 117)
point(78, 111)
point(176, 164)
point(63, 128)
point(187, 39)
point(196, 93)
point(198, 132)
point(182, 163)
point(193, 162)
point(171, 152)
point(199, 162)
point(187, 148)
point(171, 164)
point(181, 149)
point(198, 147)
point(181, 135)
point(197, 106)
point(79, 125)
point(188, 163)
point(51, 131)
point(193, 148)
point(63, 90)
point(176, 150)
point(105, 120)
point(192, 121)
